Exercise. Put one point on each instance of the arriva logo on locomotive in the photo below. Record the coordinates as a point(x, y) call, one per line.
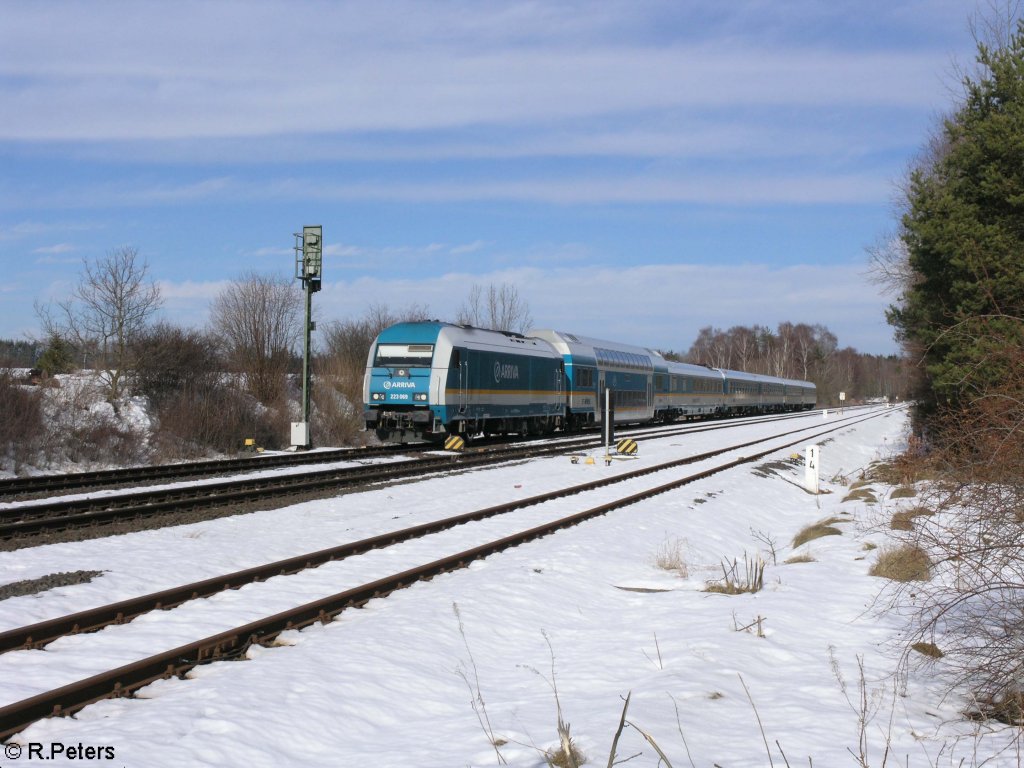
point(505, 371)
point(388, 384)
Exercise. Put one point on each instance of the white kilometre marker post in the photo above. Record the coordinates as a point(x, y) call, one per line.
point(811, 469)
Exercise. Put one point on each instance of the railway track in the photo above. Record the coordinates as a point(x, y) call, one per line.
point(18, 488)
point(77, 482)
point(234, 642)
point(29, 524)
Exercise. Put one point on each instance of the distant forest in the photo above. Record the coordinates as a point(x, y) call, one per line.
point(805, 352)
point(20, 354)
point(794, 351)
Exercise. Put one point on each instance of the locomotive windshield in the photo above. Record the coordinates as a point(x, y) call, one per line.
point(404, 355)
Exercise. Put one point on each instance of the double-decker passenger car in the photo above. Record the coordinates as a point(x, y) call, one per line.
point(686, 390)
point(593, 366)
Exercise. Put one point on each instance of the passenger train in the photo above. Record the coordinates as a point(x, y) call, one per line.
point(428, 380)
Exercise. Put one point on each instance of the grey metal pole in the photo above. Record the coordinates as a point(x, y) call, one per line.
point(307, 381)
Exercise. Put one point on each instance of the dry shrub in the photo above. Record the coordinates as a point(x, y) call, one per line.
point(217, 419)
point(734, 582)
point(975, 452)
point(817, 530)
point(906, 562)
point(171, 360)
point(82, 428)
point(905, 469)
point(336, 420)
point(1006, 708)
point(98, 438)
point(21, 422)
point(670, 557)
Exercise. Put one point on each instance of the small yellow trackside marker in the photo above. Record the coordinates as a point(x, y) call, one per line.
point(454, 443)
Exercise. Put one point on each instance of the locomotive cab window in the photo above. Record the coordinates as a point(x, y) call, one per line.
point(404, 355)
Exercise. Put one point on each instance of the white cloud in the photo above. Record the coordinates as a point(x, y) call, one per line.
point(256, 69)
point(190, 290)
point(757, 187)
point(651, 305)
point(55, 250)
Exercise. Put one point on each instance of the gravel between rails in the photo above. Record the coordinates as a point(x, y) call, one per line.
point(44, 583)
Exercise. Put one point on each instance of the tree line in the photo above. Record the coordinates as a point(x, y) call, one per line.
point(208, 388)
point(956, 268)
point(804, 352)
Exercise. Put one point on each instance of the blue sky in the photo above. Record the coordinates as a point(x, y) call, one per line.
point(636, 169)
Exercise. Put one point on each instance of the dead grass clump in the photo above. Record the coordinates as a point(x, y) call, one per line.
point(903, 492)
point(817, 530)
point(800, 559)
point(930, 650)
point(566, 755)
point(670, 557)
point(735, 583)
point(865, 494)
point(903, 563)
point(1008, 709)
point(905, 469)
point(904, 521)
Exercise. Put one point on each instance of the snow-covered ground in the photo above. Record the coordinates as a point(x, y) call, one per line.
point(588, 610)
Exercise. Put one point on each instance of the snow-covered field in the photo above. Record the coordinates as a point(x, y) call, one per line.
point(588, 610)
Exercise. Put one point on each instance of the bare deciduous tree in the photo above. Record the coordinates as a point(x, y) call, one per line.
point(500, 307)
point(800, 351)
point(111, 305)
point(258, 319)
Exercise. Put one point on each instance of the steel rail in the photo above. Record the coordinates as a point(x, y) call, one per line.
point(20, 487)
point(42, 633)
point(232, 643)
point(26, 520)
point(106, 478)
point(29, 519)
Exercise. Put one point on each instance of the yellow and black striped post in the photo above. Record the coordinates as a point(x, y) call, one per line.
point(627, 447)
point(454, 443)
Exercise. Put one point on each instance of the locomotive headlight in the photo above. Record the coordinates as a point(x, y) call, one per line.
point(377, 396)
point(421, 396)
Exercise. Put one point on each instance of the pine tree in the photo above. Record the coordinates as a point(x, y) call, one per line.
point(964, 235)
point(58, 357)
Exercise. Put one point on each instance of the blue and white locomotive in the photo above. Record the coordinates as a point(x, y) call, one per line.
point(430, 379)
